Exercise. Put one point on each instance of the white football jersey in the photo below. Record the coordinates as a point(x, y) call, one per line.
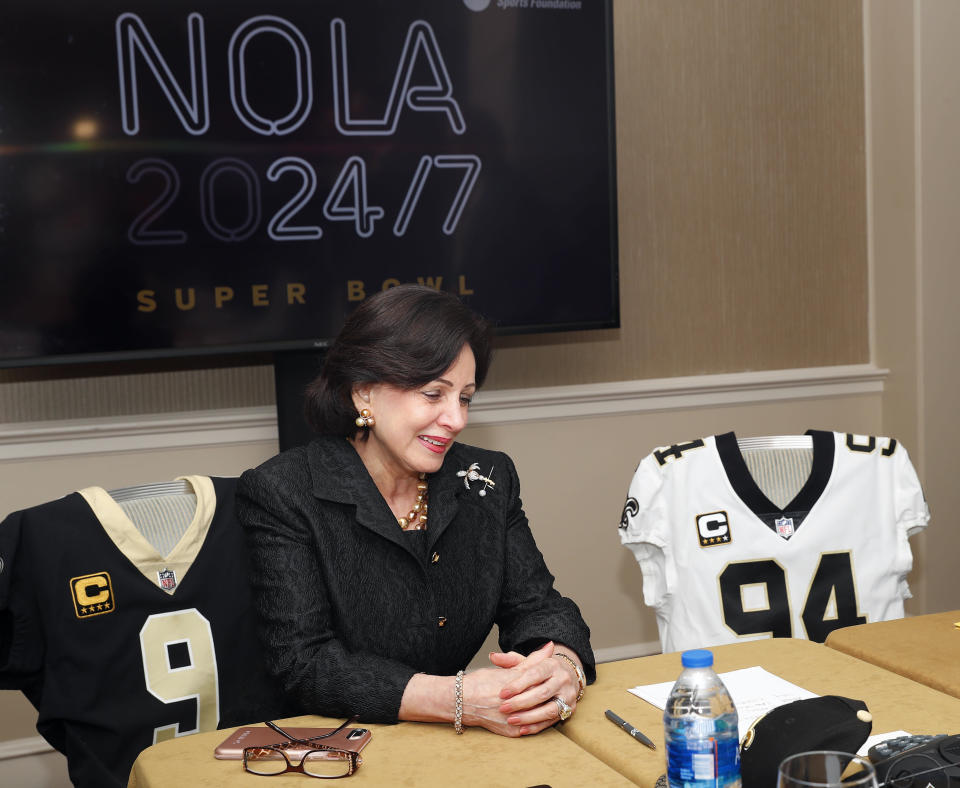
point(721, 563)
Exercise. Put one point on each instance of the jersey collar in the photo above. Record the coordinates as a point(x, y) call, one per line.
point(750, 493)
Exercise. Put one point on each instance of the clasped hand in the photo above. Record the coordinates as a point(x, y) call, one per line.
point(515, 698)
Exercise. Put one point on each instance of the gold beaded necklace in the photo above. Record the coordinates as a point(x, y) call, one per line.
point(416, 519)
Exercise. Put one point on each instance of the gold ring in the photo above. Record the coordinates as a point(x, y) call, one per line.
point(564, 711)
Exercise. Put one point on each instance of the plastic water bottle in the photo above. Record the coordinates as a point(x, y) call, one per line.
point(700, 728)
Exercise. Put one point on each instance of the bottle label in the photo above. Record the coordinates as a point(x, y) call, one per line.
point(703, 765)
point(705, 762)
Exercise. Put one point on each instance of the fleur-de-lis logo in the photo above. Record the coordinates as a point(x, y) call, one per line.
point(472, 474)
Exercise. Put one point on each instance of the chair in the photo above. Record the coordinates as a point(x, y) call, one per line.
point(161, 511)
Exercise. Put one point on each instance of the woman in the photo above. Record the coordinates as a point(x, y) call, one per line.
point(384, 551)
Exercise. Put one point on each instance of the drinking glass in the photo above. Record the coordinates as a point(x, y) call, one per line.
point(826, 769)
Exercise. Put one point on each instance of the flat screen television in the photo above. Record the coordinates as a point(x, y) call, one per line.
point(187, 178)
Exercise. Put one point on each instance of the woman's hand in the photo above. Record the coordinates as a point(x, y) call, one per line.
point(481, 701)
point(523, 703)
point(513, 698)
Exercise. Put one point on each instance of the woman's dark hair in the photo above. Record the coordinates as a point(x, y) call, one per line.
point(405, 336)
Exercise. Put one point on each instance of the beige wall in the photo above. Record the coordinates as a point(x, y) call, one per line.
point(938, 255)
point(892, 176)
point(914, 170)
point(893, 218)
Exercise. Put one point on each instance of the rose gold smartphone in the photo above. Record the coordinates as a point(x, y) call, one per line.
point(231, 748)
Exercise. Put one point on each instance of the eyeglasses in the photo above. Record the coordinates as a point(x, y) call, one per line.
point(314, 760)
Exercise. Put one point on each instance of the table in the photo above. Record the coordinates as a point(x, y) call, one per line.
point(922, 648)
point(586, 750)
point(408, 754)
point(896, 702)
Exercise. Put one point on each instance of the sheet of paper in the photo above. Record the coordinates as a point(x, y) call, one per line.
point(754, 691)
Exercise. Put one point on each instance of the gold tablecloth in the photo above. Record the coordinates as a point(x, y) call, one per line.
point(586, 750)
point(897, 703)
point(410, 754)
point(922, 648)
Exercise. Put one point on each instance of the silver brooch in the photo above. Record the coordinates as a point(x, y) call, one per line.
point(472, 474)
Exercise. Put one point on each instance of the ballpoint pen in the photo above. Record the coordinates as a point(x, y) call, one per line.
point(619, 721)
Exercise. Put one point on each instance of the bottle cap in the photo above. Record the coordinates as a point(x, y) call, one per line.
point(697, 658)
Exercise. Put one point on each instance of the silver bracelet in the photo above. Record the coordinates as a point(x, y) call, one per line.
point(581, 678)
point(458, 703)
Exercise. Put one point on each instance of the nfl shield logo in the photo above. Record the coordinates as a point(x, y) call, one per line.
point(168, 580)
point(784, 526)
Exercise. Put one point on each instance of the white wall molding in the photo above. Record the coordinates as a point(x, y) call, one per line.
point(667, 394)
point(22, 748)
point(33, 440)
point(251, 425)
point(629, 651)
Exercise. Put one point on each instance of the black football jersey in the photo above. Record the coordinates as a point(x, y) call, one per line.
point(119, 647)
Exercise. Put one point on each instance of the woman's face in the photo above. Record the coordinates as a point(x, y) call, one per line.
point(415, 428)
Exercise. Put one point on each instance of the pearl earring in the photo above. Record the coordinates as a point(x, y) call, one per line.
point(365, 419)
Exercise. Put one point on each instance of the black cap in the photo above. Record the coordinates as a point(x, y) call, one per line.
point(830, 722)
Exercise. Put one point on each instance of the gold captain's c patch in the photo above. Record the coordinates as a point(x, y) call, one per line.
point(92, 594)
